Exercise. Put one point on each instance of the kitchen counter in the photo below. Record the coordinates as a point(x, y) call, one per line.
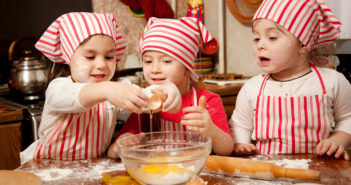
point(10, 136)
point(333, 171)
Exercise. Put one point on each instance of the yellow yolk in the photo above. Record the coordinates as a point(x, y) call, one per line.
point(163, 169)
point(150, 173)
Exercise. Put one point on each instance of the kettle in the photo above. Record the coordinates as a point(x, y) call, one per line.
point(29, 73)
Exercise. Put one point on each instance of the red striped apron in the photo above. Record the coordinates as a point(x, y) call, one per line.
point(167, 125)
point(290, 124)
point(78, 136)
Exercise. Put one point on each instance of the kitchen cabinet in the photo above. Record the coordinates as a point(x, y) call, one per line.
point(10, 136)
point(228, 94)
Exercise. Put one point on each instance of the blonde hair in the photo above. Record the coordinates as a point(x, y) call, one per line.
point(324, 56)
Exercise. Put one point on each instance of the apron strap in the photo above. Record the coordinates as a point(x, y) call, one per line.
point(319, 77)
point(195, 96)
point(263, 83)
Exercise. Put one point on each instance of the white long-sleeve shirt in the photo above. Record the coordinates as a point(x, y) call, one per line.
point(69, 130)
point(338, 91)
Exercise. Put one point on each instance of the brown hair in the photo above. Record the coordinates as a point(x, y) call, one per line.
point(57, 70)
point(324, 56)
point(61, 70)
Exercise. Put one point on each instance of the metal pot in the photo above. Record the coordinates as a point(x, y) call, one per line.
point(29, 73)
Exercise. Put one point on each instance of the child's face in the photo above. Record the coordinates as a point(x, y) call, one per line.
point(159, 67)
point(94, 60)
point(275, 49)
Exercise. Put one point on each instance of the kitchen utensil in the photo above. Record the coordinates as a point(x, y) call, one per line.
point(257, 169)
point(210, 47)
point(29, 73)
point(164, 157)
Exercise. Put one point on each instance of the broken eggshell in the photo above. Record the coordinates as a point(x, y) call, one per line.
point(155, 99)
point(155, 102)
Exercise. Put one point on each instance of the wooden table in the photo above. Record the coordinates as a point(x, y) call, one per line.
point(333, 171)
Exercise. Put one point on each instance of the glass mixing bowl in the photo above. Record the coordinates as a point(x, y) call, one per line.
point(164, 157)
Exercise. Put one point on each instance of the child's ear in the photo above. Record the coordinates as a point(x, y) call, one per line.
point(187, 72)
point(303, 50)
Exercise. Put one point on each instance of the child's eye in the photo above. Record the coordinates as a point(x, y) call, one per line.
point(109, 57)
point(147, 61)
point(167, 61)
point(90, 57)
point(256, 39)
point(273, 38)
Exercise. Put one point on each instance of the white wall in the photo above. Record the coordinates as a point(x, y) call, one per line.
point(239, 41)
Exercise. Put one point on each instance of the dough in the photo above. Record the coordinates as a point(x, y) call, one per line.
point(10, 177)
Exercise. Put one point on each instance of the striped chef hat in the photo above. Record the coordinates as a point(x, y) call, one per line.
point(66, 33)
point(311, 21)
point(178, 38)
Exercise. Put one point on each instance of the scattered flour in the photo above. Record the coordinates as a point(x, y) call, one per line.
point(290, 163)
point(78, 169)
point(297, 163)
point(53, 174)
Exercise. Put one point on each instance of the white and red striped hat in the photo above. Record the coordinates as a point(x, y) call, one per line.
point(67, 32)
point(178, 38)
point(311, 21)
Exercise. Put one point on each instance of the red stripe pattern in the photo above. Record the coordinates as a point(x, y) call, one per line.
point(178, 38)
point(79, 136)
point(311, 21)
point(301, 122)
point(67, 32)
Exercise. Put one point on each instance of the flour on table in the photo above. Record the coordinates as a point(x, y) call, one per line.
point(297, 163)
point(290, 163)
point(77, 170)
point(53, 174)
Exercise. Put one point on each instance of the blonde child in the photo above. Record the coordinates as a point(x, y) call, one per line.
point(80, 110)
point(168, 49)
point(295, 107)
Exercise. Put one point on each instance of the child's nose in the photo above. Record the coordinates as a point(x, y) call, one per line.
point(260, 45)
point(101, 62)
point(156, 67)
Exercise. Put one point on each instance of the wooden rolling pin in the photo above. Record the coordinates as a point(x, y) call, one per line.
point(257, 169)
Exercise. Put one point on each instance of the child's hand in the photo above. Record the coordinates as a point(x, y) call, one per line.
point(197, 118)
point(127, 97)
point(113, 150)
point(173, 101)
point(244, 149)
point(329, 146)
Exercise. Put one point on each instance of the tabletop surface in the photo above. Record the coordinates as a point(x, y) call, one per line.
point(333, 171)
